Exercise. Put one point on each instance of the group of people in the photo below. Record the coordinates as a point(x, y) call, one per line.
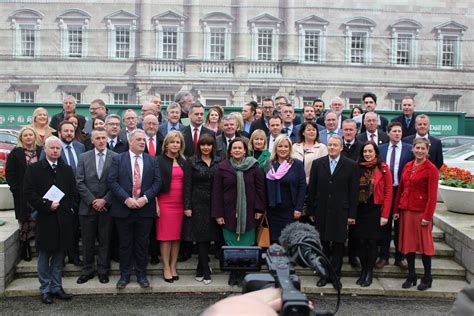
point(159, 186)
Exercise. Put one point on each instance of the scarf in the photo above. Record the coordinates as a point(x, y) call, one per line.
point(241, 207)
point(366, 180)
point(273, 186)
point(261, 157)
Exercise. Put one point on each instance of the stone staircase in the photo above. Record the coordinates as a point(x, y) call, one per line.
point(449, 278)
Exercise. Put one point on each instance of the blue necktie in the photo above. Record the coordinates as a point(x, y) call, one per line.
point(333, 165)
point(408, 121)
point(70, 157)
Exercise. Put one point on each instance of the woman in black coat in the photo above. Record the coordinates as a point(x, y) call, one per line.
point(26, 153)
point(197, 203)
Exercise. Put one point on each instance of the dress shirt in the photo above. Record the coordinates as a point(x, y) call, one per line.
point(96, 153)
point(192, 130)
point(271, 141)
point(398, 154)
point(336, 160)
point(140, 163)
point(169, 127)
point(51, 163)
point(351, 143)
point(247, 126)
point(114, 139)
point(73, 150)
point(228, 140)
point(332, 133)
point(418, 136)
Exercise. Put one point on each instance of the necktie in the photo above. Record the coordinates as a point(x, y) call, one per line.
point(284, 130)
point(111, 144)
point(151, 147)
point(408, 121)
point(347, 146)
point(70, 158)
point(173, 128)
point(136, 179)
point(392, 160)
point(195, 137)
point(100, 168)
point(372, 137)
point(333, 165)
point(228, 142)
point(53, 166)
point(331, 134)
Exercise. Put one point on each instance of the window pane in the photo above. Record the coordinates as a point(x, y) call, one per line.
point(353, 102)
point(264, 45)
point(449, 51)
point(120, 98)
point(167, 99)
point(75, 40)
point(170, 43)
point(311, 46)
point(358, 47)
point(122, 42)
point(217, 42)
point(27, 40)
point(397, 105)
point(76, 95)
point(447, 105)
point(404, 48)
point(27, 97)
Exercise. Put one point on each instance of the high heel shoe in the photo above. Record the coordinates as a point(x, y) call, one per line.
point(425, 284)
point(409, 282)
point(175, 277)
point(170, 280)
point(362, 276)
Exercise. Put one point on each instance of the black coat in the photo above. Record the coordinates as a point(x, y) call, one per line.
point(332, 199)
point(15, 172)
point(259, 124)
point(54, 229)
point(59, 117)
point(188, 138)
point(382, 137)
point(353, 152)
point(406, 130)
point(120, 147)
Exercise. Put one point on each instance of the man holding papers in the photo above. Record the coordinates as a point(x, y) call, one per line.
point(45, 182)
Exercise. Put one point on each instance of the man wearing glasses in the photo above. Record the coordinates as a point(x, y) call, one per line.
point(112, 127)
point(130, 120)
point(97, 109)
point(267, 113)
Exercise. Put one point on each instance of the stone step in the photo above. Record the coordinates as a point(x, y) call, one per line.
point(441, 249)
point(441, 267)
point(442, 288)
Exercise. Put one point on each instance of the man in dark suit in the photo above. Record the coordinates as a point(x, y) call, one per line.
point(69, 106)
point(97, 109)
point(54, 233)
point(371, 132)
point(407, 119)
point(287, 114)
point(134, 180)
point(172, 120)
point(337, 105)
point(370, 104)
point(280, 102)
point(112, 127)
point(275, 125)
point(267, 113)
point(148, 108)
point(422, 125)
point(351, 150)
point(332, 203)
point(94, 209)
point(130, 120)
point(331, 123)
point(229, 132)
point(396, 154)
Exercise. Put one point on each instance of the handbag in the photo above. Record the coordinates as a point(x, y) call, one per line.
point(263, 236)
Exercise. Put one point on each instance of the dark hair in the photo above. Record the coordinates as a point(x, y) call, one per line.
point(95, 119)
point(206, 139)
point(319, 100)
point(302, 129)
point(266, 100)
point(195, 105)
point(78, 133)
point(369, 95)
point(376, 149)
point(392, 125)
point(237, 139)
point(275, 117)
point(253, 106)
point(60, 126)
point(356, 107)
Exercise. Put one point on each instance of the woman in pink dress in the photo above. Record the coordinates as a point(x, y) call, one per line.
point(170, 207)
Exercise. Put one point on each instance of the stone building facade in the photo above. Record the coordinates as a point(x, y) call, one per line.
point(234, 51)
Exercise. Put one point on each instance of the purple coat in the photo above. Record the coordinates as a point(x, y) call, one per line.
point(224, 194)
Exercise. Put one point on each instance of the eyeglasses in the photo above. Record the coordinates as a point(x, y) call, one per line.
point(113, 124)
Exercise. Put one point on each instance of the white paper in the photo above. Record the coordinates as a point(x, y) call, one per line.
point(54, 194)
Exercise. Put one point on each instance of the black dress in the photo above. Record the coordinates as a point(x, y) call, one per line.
point(368, 221)
point(203, 227)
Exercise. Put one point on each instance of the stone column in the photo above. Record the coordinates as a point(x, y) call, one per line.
point(145, 32)
point(242, 29)
point(291, 36)
point(193, 30)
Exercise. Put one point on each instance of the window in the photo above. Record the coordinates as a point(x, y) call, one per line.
point(170, 42)
point(169, 35)
point(447, 105)
point(358, 47)
point(311, 46)
point(358, 33)
point(74, 40)
point(121, 28)
point(121, 98)
point(217, 34)
point(449, 51)
point(353, 102)
point(450, 36)
point(265, 30)
point(73, 25)
point(311, 39)
point(404, 49)
point(27, 40)
point(76, 95)
point(26, 25)
point(265, 44)
point(404, 42)
point(26, 97)
point(397, 104)
point(122, 42)
point(217, 43)
point(167, 99)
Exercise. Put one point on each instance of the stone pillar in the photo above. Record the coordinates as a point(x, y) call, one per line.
point(291, 36)
point(242, 29)
point(145, 32)
point(193, 30)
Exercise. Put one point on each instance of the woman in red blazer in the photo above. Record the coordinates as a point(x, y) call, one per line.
point(415, 204)
point(375, 196)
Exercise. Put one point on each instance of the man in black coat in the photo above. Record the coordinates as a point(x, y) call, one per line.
point(54, 233)
point(372, 133)
point(407, 119)
point(337, 105)
point(267, 112)
point(69, 106)
point(370, 104)
point(332, 203)
point(112, 127)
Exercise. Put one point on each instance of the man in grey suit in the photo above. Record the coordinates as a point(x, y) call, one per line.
point(94, 214)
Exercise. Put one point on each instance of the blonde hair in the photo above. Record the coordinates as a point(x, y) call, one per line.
point(35, 114)
point(20, 135)
point(257, 133)
point(48, 130)
point(239, 119)
point(169, 137)
point(220, 113)
point(281, 138)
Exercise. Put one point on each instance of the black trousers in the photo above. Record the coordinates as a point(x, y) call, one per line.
point(73, 252)
point(334, 251)
point(97, 226)
point(134, 239)
point(352, 243)
point(154, 249)
point(384, 243)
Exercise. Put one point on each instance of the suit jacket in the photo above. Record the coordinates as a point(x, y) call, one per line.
point(221, 145)
point(406, 130)
point(78, 148)
point(89, 184)
point(323, 135)
point(436, 149)
point(382, 126)
point(294, 136)
point(320, 120)
point(353, 152)
point(405, 156)
point(120, 147)
point(332, 199)
point(120, 183)
point(163, 128)
point(14, 173)
point(188, 138)
point(382, 137)
point(259, 124)
point(159, 144)
point(123, 135)
point(59, 117)
point(54, 229)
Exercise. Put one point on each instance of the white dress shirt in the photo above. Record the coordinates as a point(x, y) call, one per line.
point(64, 145)
point(96, 152)
point(376, 136)
point(398, 153)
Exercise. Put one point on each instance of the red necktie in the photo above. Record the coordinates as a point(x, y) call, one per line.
point(195, 137)
point(151, 147)
point(136, 179)
point(372, 135)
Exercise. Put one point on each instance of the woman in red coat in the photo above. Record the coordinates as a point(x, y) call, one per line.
point(415, 205)
point(375, 197)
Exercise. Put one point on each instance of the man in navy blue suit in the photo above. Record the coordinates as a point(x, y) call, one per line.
point(395, 154)
point(407, 119)
point(134, 180)
point(422, 125)
point(287, 114)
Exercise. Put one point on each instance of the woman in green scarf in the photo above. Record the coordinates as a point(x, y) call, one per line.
point(238, 198)
point(258, 148)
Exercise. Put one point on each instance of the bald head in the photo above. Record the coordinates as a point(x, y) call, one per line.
point(371, 122)
point(150, 125)
point(149, 108)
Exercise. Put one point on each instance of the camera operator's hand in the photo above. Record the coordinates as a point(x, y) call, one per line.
point(220, 220)
point(258, 216)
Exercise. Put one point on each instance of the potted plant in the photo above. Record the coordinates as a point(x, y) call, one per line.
point(457, 189)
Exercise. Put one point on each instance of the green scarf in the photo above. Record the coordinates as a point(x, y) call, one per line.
point(262, 158)
point(241, 207)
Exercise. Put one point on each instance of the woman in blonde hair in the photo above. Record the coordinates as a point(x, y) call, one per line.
point(240, 123)
point(26, 152)
point(286, 187)
point(258, 147)
point(175, 179)
point(39, 122)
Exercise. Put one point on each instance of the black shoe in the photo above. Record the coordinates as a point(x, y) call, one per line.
point(175, 277)
point(425, 283)
point(122, 283)
point(322, 282)
point(368, 279)
point(84, 278)
point(62, 295)
point(336, 283)
point(154, 260)
point(233, 279)
point(143, 282)
point(409, 282)
point(362, 276)
point(46, 298)
point(354, 262)
point(103, 278)
point(240, 278)
point(170, 280)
